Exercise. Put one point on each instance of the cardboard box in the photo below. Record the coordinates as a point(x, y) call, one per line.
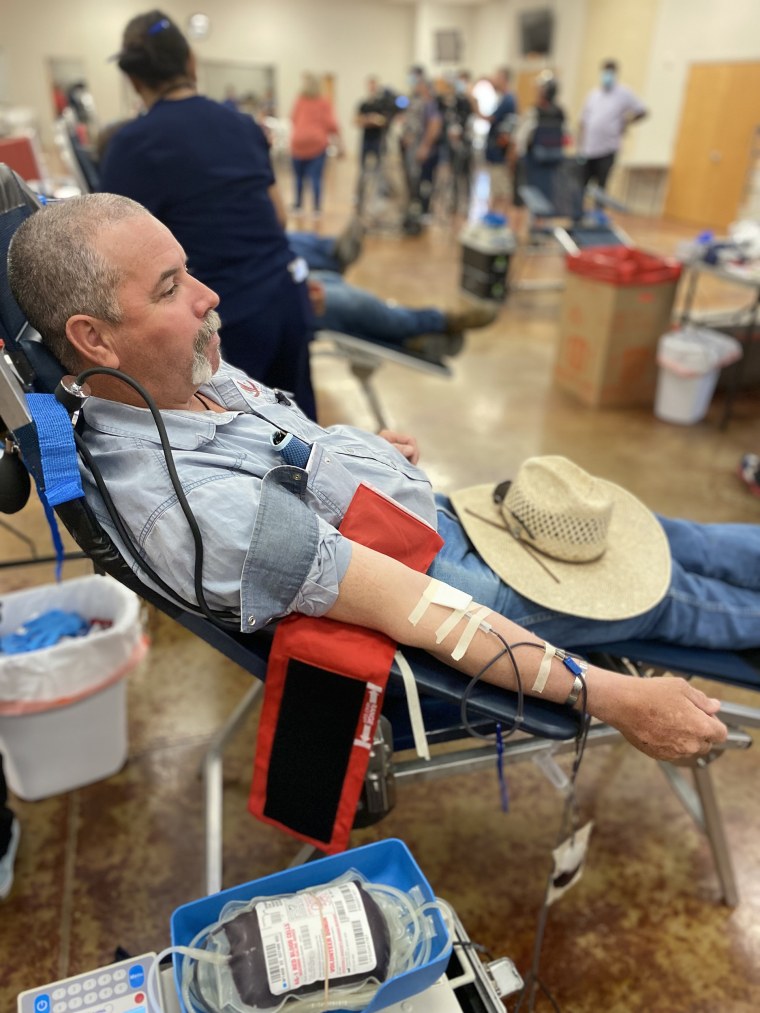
point(608, 338)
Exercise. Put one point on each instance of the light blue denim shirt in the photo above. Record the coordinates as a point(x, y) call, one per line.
point(270, 538)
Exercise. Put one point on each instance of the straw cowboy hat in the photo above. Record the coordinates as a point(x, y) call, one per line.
point(569, 541)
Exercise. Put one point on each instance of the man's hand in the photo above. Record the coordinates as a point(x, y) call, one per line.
point(317, 296)
point(668, 719)
point(406, 445)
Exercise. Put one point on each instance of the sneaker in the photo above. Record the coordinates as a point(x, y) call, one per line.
point(749, 472)
point(470, 317)
point(348, 245)
point(7, 860)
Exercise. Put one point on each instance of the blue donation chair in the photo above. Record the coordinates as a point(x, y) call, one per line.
point(559, 214)
point(546, 728)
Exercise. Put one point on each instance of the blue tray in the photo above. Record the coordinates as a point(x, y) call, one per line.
point(388, 862)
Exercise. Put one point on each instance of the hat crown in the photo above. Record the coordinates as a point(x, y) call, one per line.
point(559, 508)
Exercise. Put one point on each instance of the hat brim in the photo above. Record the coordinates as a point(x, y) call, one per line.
point(631, 576)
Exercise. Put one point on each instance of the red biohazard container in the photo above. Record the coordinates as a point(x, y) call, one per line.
point(624, 265)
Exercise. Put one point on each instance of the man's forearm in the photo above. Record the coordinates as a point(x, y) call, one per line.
point(365, 600)
point(666, 718)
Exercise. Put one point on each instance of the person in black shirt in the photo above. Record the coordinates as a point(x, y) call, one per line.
point(372, 118)
point(456, 145)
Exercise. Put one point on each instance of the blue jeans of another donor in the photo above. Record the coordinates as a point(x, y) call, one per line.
point(310, 169)
point(318, 251)
point(713, 600)
point(355, 311)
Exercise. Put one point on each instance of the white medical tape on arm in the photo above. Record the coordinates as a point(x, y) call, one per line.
point(469, 632)
point(545, 667)
point(413, 703)
point(448, 624)
point(438, 593)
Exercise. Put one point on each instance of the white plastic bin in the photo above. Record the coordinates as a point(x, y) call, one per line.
point(690, 362)
point(63, 717)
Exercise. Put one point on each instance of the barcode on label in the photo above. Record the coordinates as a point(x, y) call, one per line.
point(350, 895)
point(275, 970)
point(274, 911)
point(360, 939)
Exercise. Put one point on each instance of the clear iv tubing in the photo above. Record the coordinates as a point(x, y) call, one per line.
point(152, 987)
point(410, 917)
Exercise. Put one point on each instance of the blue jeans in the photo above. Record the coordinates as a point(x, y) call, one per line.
point(311, 169)
point(713, 599)
point(317, 251)
point(352, 310)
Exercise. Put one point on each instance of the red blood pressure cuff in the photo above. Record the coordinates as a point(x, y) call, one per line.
point(323, 695)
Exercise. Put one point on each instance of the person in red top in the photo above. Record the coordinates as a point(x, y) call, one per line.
point(313, 127)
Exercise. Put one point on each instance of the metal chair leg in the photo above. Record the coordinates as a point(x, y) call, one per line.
point(701, 804)
point(213, 785)
point(716, 833)
point(364, 373)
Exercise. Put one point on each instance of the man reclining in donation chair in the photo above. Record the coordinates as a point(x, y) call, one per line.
point(107, 287)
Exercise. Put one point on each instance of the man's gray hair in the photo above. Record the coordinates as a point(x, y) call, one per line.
point(55, 272)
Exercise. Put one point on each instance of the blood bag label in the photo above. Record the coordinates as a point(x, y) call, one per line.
point(312, 936)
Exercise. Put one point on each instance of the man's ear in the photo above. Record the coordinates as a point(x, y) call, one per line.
point(91, 339)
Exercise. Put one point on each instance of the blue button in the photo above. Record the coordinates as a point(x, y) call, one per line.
point(136, 978)
point(42, 1004)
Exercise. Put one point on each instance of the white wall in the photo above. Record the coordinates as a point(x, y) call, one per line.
point(571, 25)
point(497, 39)
point(686, 32)
point(492, 28)
point(430, 18)
point(350, 38)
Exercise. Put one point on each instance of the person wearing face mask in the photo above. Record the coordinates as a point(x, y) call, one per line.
point(607, 112)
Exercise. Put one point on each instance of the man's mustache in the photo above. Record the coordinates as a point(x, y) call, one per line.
point(210, 326)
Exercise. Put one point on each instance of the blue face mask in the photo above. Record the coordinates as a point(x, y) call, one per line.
point(607, 78)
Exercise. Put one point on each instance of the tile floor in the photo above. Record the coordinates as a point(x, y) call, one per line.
point(105, 865)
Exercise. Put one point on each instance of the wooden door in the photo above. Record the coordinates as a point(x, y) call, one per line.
point(711, 162)
point(525, 89)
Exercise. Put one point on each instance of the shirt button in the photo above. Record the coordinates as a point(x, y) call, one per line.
point(251, 620)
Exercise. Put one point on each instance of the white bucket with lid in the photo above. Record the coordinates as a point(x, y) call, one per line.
point(690, 362)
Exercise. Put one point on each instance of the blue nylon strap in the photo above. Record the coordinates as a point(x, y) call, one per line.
point(50, 455)
point(55, 435)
